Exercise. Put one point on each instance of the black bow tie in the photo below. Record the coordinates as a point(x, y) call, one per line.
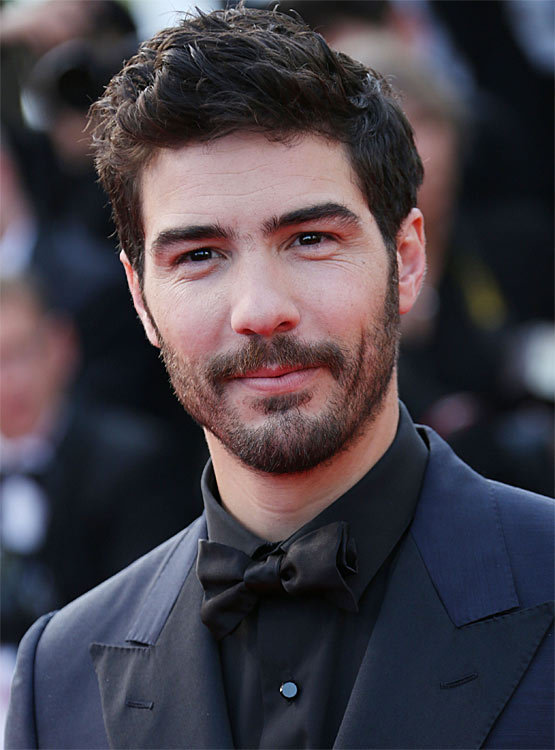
point(315, 563)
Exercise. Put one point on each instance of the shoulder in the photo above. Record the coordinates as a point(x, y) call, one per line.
point(494, 540)
point(527, 522)
point(134, 600)
point(107, 611)
point(449, 475)
point(521, 506)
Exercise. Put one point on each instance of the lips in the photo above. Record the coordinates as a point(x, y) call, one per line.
point(278, 379)
point(276, 371)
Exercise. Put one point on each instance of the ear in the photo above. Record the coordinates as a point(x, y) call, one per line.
point(411, 259)
point(138, 300)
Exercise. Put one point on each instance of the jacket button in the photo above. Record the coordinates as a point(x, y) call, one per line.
point(289, 690)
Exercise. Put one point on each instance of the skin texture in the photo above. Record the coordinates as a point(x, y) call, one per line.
point(293, 254)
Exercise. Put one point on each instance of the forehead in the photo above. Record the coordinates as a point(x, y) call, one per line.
point(242, 178)
point(20, 316)
point(19, 304)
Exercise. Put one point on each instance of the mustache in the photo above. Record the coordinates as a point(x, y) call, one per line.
point(281, 351)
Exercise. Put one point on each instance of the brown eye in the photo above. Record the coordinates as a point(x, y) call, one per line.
point(310, 238)
point(202, 254)
point(197, 256)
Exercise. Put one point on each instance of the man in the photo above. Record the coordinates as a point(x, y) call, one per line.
point(345, 584)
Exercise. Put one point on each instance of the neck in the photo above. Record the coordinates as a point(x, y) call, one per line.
point(274, 506)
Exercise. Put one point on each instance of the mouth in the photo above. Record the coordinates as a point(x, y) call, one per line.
point(277, 379)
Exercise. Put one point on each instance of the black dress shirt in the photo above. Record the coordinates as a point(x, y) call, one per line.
point(308, 641)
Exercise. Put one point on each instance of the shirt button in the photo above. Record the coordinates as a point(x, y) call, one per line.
point(289, 690)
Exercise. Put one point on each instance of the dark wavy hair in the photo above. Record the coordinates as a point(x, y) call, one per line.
point(250, 70)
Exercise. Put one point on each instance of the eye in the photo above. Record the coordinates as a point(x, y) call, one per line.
point(315, 244)
point(311, 238)
point(198, 255)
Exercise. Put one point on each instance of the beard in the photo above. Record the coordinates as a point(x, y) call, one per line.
point(290, 440)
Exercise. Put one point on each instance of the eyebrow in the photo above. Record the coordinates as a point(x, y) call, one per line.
point(206, 232)
point(193, 233)
point(312, 213)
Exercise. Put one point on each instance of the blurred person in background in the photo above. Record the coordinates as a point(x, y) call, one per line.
point(507, 194)
point(76, 484)
point(30, 30)
point(79, 271)
point(506, 212)
point(56, 57)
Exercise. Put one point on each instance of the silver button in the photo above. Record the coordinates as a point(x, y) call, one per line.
point(289, 690)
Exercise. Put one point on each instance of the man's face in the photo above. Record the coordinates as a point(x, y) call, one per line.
point(36, 361)
point(268, 288)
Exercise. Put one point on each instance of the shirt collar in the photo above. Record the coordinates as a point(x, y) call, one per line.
point(378, 508)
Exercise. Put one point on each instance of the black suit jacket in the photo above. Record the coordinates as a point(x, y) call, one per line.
point(460, 656)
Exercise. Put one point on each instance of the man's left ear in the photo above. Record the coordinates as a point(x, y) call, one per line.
point(411, 259)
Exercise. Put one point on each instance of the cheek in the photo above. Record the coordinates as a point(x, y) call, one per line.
point(346, 307)
point(190, 321)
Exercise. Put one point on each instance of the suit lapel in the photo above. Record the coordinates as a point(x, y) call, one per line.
point(163, 687)
point(458, 532)
point(424, 683)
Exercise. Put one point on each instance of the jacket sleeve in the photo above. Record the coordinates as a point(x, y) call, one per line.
point(21, 732)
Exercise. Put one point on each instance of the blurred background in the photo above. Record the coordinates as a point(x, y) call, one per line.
point(98, 462)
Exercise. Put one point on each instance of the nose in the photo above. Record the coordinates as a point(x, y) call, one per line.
point(263, 301)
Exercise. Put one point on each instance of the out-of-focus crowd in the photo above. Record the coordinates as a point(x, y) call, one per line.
point(98, 462)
